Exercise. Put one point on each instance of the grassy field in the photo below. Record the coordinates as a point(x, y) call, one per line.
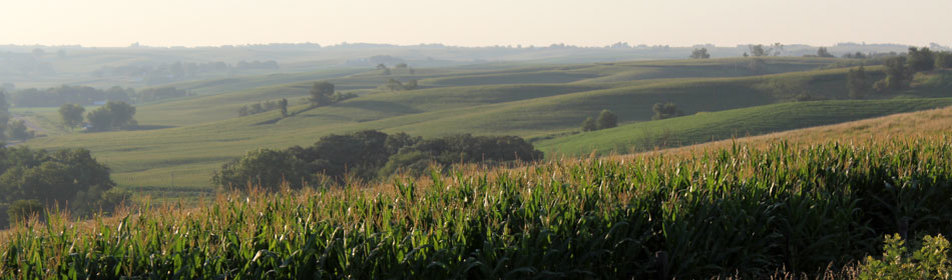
point(809, 200)
point(190, 138)
point(706, 127)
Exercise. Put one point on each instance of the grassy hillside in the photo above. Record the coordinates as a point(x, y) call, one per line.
point(706, 127)
point(203, 132)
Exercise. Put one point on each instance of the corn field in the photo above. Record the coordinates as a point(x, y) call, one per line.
point(731, 212)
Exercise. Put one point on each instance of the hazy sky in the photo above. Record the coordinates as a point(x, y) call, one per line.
point(473, 22)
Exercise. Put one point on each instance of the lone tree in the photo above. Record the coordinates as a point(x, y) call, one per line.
point(284, 107)
point(700, 54)
point(589, 124)
point(823, 52)
point(858, 83)
point(321, 93)
point(606, 119)
point(72, 114)
point(665, 111)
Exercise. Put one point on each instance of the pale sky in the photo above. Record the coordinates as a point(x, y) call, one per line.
point(473, 22)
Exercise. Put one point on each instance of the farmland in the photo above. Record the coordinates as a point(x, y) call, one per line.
point(190, 138)
point(811, 176)
point(803, 206)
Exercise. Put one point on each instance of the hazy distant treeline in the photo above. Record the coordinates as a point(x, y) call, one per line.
point(84, 95)
point(177, 71)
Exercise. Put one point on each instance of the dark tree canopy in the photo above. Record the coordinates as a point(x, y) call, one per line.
point(589, 124)
point(72, 115)
point(897, 75)
point(366, 155)
point(606, 119)
point(65, 178)
point(858, 83)
point(17, 130)
point(462, 148)
point(921, 59)
point(765, 50)
point(264, 168)
point(823, 52)
point(283, 104)
point(700, 54)
point(943, 59)
point(320, 93)
point(113, 116)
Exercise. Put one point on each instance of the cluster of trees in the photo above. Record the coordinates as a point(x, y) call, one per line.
point(761, 50)
point(901, 69)
point(665, 111)
point(366, 155)
point(395, 85)
point(323, 93)
point(177, 71)
point(54, 97)
point(857, 55)
point(823, 52)
point(265, 106)
point(606, 119)
point(401, 66)
point(69, 179)
point(112, 116)
point(11, 129)
point(700, 54)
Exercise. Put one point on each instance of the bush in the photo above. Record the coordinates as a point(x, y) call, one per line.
point(606, 119)
point(931, 261)
point(589, 124)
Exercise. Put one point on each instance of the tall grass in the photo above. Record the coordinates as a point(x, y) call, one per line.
point(733, 211)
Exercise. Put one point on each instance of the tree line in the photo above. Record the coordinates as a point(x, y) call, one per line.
point(366, 155)
point(265, 106)
point(170, 72)
point(32, 180)
point(84, 95)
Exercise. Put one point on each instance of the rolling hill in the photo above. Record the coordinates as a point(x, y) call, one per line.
point(199, 133)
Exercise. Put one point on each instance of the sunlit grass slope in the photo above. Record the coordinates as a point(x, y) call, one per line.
point(190, 153)
point(706, 127)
